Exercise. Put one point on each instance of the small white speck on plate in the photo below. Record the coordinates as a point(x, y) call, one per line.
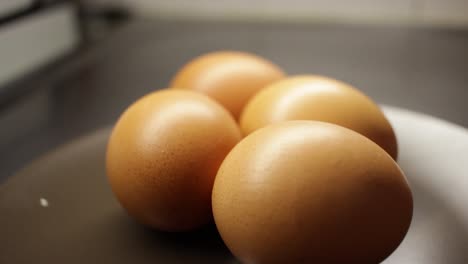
point(43, 202)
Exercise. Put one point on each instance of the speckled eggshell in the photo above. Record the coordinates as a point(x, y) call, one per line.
point(230, 77)
point(310, 192)
point(310, 97)
point(163, 155)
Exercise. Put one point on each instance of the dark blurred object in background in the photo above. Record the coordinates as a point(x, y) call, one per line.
point(98, 19)
point(36, 36)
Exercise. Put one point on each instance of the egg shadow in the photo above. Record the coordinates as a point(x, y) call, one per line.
point(203, 245)
point(205, 239)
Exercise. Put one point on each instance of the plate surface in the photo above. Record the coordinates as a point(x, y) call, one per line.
point(59, 209)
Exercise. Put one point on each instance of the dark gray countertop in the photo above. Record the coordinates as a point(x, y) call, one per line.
point(425, 70)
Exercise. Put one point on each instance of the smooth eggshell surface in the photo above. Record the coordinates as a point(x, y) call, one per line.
point(230, 77)
point(310, 97)
point(310, 192)
point(163, 155)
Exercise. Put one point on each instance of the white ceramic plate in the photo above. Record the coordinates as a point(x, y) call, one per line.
point(81, 222)
point(434, 157)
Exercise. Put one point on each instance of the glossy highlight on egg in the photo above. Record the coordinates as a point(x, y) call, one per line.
point(163, 155)
point(229, 77)
point(313, 97)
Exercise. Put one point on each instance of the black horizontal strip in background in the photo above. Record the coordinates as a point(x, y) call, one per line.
point(32, 8)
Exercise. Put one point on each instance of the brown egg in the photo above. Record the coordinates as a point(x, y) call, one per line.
point(229, 77)
point(163, 155)
point(319, 98)
point(310, 192)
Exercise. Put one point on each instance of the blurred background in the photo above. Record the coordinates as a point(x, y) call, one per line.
point(68, 68)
